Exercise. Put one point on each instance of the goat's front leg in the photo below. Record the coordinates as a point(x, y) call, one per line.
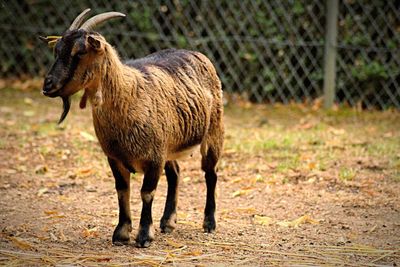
point(122, 185)
point(146, 230)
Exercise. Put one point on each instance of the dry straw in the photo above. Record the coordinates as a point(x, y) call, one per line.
point(191, 253)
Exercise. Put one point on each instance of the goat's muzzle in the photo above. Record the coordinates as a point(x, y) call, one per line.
point(50, 88)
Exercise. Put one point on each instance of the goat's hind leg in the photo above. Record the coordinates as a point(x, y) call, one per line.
point(122, 185)
point(208, 163)
point(168, 220)
point(152, 174)
point(211, 149)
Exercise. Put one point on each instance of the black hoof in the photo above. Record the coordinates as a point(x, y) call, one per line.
point(209, 225)
point(167, 226)
point(143, 239)
point(143, 243)
point(121, 243)
point(121, 235)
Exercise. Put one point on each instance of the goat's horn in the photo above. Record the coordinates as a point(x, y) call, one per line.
point(96, 20)
point(79, 20)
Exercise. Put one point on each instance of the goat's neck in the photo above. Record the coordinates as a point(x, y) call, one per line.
point(117, 84)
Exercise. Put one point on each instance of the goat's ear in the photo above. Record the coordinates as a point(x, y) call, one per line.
point(43, 39)
point(94, 42)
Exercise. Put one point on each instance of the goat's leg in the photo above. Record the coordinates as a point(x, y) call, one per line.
point(146, 231)
point(208, 164)
point(168, 220)
point(122, 185)
point(211, 149)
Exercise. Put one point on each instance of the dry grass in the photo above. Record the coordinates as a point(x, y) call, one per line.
point(298, 187)
point(308, 256)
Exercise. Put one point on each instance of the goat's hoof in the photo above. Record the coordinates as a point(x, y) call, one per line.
point(168, 225)
point(143, 241)
point(166, 229)
point(209, 225)
point(143, 244)
point(121, 234)
point(121, 243)
point(144, 238)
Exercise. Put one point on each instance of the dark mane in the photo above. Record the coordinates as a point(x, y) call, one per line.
point(169, 60)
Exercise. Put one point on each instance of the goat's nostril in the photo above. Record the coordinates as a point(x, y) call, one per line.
point(47, 84)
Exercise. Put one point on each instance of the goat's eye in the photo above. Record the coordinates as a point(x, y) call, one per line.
point(81, 53)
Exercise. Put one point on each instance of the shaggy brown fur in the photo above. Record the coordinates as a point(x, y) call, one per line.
point(168, 98)
point(148, 113)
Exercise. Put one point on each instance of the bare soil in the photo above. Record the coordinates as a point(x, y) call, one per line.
point(297, 186)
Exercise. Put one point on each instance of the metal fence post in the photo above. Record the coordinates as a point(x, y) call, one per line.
point(330, 52)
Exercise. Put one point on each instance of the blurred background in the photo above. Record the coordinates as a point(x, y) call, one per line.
point(264, 51)
point(298, 185)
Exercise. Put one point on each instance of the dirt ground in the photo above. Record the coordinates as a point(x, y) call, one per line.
point(298, 186)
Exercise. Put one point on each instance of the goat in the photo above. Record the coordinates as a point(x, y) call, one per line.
point(147, 114)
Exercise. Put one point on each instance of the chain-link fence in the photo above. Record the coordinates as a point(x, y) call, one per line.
point(268, 51)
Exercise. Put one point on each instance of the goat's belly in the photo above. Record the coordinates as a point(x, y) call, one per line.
point(182, 153)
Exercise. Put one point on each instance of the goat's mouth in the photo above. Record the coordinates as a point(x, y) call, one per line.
point(52, 93)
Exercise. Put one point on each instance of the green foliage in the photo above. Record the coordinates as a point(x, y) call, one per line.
point(347, 174)
point(366, 71)
point(272, 49)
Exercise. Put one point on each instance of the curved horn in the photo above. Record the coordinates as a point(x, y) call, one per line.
point(91, 23)
point(79, 20)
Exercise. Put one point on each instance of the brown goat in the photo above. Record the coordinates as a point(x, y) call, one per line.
point(147, 113)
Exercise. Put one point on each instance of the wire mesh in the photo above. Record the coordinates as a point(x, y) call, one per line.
point(267, 51)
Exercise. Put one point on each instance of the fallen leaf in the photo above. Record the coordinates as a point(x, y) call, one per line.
point(41, 169)
point(28, 100)
point(305, 125)
point(29, 113)
point(296, 223)
point(174, 244)
point(372, 229)
point(42, 191)
point(263, 220)
point(105, 259)
point(188, 223)
point(53, 237)
point(92, 232)
point(250, 210)
point(50, 212)
point(312, 165)
point(63, 238)
point(182, 215)
point(84, 172)
point(388, 135)
point(237, 180)
point(114, 222)
point(10, 171)
point(337, 131)
point(258, 179)
point(56, 216)
point(242, 192)
point(22, 244)
point(88, 136)
point(193, 253)
point(22, 168)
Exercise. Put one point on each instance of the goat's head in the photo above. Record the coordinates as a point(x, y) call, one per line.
point(76, 54)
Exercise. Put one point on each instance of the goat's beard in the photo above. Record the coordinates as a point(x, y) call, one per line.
point(66, 106)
